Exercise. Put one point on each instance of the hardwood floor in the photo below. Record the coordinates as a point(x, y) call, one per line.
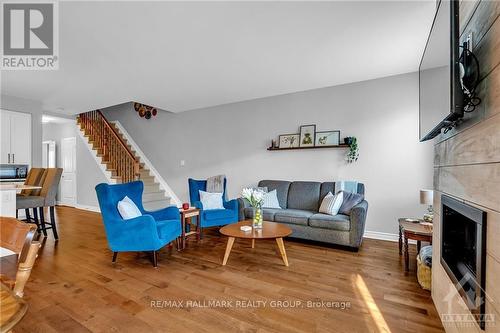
point(74, 287)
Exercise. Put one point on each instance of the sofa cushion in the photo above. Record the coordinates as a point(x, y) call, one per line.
point(304, 196)
point(293, 216)
point(281, 187)
point(267, 213)
point(334, 222)
point(325, 188)
point(215, 214)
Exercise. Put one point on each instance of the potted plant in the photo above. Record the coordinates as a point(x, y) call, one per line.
point(353, 153)
point(256, 198)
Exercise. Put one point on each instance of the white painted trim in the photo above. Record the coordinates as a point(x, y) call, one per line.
point(90, 208)
point(102, 166)
point(163, 184)
point(385, 236)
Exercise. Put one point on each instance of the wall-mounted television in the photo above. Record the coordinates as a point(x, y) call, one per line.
point(440, 91)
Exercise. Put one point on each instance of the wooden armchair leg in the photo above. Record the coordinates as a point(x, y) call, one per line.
point(24, 269)
point(114, 257)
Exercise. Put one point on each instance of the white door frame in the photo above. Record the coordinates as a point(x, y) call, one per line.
point(71, 204)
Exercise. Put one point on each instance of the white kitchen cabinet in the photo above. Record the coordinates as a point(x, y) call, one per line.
point(15, 137)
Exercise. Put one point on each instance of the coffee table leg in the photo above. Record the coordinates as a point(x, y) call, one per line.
point(229, 246)
point(281, 246)
point(253, 243)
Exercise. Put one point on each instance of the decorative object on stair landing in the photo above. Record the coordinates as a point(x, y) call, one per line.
point(327, 138)
point(145, 111)
point(256, 198)
point(353, 153)
point(307, 135)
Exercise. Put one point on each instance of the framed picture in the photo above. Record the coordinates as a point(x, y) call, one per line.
point(289, 140)
point(327, 138)
point(307, 133)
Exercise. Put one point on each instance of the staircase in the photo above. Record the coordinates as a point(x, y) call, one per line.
point(118, 158)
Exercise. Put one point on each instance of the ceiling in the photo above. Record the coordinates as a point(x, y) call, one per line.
point(182, 56)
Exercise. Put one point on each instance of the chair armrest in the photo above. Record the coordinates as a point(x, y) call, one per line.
point(198, 205)
point(232, 205)
point(169, 213)
point(139, 233)
point(358, 221)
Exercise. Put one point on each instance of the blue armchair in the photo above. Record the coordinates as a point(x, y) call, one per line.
point(149, 232)
point(212, 217)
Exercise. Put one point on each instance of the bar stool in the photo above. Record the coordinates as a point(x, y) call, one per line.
point(46, 198)
point(35, 177)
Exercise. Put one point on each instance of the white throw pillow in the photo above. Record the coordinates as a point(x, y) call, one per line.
point(127, 209)
point(331, 203)
point(211, 200)
point(271, 200)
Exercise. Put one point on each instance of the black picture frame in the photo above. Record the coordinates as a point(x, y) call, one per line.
point(318, 137)
point(303, 139)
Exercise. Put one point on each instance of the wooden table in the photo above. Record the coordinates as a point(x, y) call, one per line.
point(415, 231)
point(12, 309)
point(270, 230)
point(187, 219)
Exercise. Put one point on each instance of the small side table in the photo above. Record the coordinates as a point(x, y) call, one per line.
point(415, 231)
point(187, 219)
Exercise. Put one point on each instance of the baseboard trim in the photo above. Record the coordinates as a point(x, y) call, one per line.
point(90, 208)
point(385, 236)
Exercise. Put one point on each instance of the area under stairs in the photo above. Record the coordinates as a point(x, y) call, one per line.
point(154, 197)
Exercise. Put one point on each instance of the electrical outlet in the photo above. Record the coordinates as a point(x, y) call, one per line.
point(183, 163)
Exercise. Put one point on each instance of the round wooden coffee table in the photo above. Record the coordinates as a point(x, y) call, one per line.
point(270, 230)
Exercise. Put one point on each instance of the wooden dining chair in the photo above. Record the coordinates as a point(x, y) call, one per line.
point(17, 237)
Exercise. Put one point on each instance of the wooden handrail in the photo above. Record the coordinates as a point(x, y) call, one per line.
point(116, 135)
point(113, 148)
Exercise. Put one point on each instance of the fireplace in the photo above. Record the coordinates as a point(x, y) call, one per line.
point(463, 252)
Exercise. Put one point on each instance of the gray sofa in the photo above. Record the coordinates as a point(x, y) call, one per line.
point(300, 202)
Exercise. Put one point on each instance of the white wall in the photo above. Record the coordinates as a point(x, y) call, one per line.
point(88, 173)
point(232, 140)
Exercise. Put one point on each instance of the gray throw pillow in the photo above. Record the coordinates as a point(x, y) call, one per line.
point(350, 200)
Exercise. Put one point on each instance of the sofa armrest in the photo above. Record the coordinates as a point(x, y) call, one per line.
point(242, 205)
point(358, 221)
point(232, 205)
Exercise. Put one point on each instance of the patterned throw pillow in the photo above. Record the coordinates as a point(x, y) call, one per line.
point(331, 203)
point(350, 200)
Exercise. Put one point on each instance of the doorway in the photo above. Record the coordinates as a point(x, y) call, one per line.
point(68, 179)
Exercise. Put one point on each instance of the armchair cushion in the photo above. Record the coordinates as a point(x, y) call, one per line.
point(215, 214)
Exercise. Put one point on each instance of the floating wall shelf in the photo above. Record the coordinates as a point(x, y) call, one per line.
point(314, 147)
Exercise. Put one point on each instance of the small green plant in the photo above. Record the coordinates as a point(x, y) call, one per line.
point(353, 153)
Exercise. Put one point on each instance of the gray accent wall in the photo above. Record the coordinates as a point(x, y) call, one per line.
point(232, 140)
